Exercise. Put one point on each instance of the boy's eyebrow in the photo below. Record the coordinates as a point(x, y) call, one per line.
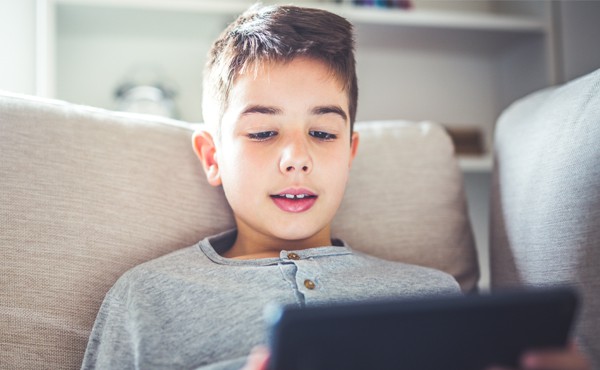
point(330, 109)
point(262, 109)
point(320, 110)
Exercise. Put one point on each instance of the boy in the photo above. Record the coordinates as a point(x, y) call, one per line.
point(280, 97)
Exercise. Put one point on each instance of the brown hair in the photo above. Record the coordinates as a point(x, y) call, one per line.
point(278, 34)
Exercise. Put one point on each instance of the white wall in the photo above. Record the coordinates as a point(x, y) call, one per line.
point(98, 49)
point(17, 46)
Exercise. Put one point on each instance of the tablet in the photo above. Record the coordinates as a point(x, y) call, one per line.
point(451, 332)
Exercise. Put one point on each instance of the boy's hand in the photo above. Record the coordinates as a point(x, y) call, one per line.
point(570, 358)
point(257, 359)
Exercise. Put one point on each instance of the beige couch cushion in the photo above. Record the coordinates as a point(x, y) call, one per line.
point(405, 199)
point(545, 225)
point(85, 194)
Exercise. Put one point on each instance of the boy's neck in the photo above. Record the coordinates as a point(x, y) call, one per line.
point(252, 245)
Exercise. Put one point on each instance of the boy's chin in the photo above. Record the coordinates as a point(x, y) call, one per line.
point(303, 238)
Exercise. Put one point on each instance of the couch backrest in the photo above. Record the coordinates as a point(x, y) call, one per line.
point(85, 194)
point(545, 224)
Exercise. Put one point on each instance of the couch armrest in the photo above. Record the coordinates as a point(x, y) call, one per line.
point(545, 221)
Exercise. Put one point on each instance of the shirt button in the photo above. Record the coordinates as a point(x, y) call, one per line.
point(293, 256)
point(309, 284)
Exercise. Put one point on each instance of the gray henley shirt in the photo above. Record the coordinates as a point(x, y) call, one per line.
point(194, 308)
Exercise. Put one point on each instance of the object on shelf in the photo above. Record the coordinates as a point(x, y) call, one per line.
point(396, 4)
point(467, 140)
point(146, 91)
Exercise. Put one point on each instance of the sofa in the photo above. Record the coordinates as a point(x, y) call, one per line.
point(88, 193)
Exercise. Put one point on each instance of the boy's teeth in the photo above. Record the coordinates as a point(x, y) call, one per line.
point(292, 196)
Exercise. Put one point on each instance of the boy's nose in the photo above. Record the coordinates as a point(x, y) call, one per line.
point(295, 157)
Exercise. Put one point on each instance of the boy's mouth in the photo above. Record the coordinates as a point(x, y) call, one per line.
point(294, 201)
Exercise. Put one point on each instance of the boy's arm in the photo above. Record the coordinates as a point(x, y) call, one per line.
point(110, 344)
point(257, 360)
point(235, 364)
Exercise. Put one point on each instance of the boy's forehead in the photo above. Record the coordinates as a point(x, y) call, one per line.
point(261, 70)
point(300, 86)
point(266, 83)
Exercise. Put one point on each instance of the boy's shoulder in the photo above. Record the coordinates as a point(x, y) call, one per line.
point(159, 271)
point(173, 261)
point(200, 255)
point(194, 264)
point(409, 273)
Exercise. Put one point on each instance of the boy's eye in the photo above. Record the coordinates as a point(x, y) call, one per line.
point(322, 135)
point(260, 136)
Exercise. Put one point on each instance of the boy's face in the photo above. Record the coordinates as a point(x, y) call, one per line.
point(284, 152)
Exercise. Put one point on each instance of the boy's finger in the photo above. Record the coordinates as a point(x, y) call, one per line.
point(550, 361)
point(570, 358)
point(258, 359)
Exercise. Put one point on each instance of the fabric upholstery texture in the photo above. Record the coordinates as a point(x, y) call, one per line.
point(85, 194)
point(545, 221)
point(405, 200)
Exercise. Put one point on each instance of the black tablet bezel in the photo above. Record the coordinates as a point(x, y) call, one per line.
point(458, 332)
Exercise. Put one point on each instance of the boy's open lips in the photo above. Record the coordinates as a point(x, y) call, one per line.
point(294, 201)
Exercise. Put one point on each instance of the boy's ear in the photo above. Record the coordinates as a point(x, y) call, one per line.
point(353, 147)
point(206, 150)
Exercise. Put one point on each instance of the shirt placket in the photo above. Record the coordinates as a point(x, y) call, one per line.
point(306, 276)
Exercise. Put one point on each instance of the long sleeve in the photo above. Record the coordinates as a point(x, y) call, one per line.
point(234, 364)
point(111, 343)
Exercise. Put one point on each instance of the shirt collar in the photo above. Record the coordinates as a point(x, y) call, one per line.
point(214, 246)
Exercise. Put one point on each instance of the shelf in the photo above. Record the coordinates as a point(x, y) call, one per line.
point(476, 164)
point(198, 6)
point(369, 15)
point(438, 19)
